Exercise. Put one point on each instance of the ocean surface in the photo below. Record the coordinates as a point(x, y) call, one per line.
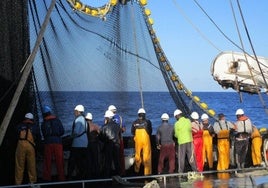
point(156, 103)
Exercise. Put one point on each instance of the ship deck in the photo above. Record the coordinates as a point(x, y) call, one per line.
point(250, 177)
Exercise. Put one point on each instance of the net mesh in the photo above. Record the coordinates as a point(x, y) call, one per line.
point(119, 53)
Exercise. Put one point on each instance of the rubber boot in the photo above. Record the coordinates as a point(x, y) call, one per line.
point(238, 166)
point(243, 167)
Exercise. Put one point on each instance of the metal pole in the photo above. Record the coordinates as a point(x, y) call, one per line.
point(25, 74)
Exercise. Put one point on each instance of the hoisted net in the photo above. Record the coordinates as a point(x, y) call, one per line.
point(118, 53)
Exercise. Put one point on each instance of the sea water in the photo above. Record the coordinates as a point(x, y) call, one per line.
point(156, 103)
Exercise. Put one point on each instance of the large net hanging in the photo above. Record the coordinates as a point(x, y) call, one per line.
point(117, 53)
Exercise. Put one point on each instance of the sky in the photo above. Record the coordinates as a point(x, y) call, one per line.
point(191, 41)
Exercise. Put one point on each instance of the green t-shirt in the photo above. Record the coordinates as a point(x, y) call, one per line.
point(183, 130)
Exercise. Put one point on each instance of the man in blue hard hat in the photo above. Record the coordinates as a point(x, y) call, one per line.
point(52, 130)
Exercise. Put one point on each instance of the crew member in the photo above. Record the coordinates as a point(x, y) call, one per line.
point(110, 132)
point(166, 144)
point(208, 134)
point(78, 154)
point(52, 130)
point(222, 128)
point(256, 144)
point(119, 121)
point(197, 131)
point(244, 130)
point(27, 131)
point(94, 153)
point(183, 133)
point(142, 130)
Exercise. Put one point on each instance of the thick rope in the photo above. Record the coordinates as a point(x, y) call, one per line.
point(138, 62)
point(256, 58)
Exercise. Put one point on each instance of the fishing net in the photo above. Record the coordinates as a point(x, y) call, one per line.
point(119, 53)
point(115, 52)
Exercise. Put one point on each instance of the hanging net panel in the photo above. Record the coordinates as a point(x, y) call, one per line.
point(114, 51)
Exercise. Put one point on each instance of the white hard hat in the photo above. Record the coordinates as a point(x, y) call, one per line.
point(89, 116)
point(239, 112)
point(112, 108)
point(79, 108)
point(29, 116)
point(194, 115)
point(141, 111)
point(109, 114)
point(165, 116)
point(177, 112)
point(204, 116)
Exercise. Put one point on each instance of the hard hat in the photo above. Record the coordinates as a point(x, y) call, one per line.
point(194, 115)
point(177, 112)
point(29, 116)
point(165, 116)
point(141, 111)
point(204, 116)
point(89, 116)
point(79, 108)
point(46, 109)
point(239, 112)
point(112, 108)
point(109, 114)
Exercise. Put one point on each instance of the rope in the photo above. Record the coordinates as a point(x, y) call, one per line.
point(256, 58)
point(253, 50)
point(25, 74)
point(138, 62)
point(194, 26)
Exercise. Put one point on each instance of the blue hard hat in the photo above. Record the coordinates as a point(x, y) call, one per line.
point(46, 109)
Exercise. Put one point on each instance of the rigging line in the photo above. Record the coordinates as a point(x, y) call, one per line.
point(195, 27)
point(138, 62)
point(220, 29)
point(25, 75)
point(256, 58)
point(44, 49)
point(242, 44)
point(246, 29)
point(16, 81)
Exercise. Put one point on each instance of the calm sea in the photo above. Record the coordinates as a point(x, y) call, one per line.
point(156, 103)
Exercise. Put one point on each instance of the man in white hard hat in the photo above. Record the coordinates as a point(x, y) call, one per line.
point(244, 129)
point(208, 134)
point(183, 133)
point(110, 135)
point(166, 144)
point(197, 130)
point(119, 121)
point(93, 147)
point(78, 155)
point(142, 129)
point(28, 132)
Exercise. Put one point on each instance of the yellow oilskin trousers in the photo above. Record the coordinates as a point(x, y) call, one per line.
point(207, 148)
point(142, 151)
point(223, 150)
point(256, 147)
point(25, 154)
